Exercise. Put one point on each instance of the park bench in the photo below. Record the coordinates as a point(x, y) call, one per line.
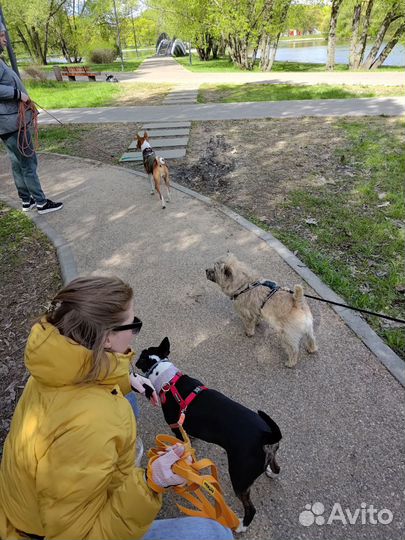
point(73, 72)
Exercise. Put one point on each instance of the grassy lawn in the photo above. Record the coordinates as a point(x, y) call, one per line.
point(225, 65)
point(15, 230)
point(355, 236)
point(56, 95)
point(226, 93)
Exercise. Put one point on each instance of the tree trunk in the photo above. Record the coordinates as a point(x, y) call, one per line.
point(265, 52)
point(222, 46)
point(388, 48)
point(354, 42)
point(364, 34)
point(372, 55)
point(36, 46)
point(272, 44)
point(234, 50)
point(215, 48)
point(273, 50)
point(25, 42)
point(330, 63)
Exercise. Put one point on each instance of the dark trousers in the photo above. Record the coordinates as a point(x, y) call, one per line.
point(24, 170)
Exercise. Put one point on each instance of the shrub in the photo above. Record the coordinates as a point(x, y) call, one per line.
point(103, 56)
point(35, 73)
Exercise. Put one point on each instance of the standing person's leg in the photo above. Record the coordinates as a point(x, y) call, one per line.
point(25, 172)
point(187, 528)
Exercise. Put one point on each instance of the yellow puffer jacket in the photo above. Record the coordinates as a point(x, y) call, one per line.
point(68, 464)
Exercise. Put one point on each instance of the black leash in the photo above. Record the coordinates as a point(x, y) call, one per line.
point(350, 307)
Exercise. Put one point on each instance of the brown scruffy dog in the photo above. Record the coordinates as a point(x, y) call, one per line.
point(255, 298)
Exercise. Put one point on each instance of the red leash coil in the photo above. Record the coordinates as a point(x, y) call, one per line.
point(25, 146)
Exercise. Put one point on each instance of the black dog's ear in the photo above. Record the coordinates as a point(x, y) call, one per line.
point(164, 348)
point(143, 361)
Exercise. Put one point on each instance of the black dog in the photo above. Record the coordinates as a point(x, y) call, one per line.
point(250, 439)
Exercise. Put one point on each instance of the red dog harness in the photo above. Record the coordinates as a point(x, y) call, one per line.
point(183, 403)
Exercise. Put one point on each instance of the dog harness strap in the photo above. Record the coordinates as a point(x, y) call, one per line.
point(183, 403)
point(270, 294)
point(148, 156)
point(272, 285)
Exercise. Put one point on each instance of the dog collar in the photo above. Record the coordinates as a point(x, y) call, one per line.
point(158, 360)
point(147, 151)
point(272, 285)
point(165, 377)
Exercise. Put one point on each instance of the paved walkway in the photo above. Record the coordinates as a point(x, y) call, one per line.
point(166, 69)
point(391, 106)
point(341, 412)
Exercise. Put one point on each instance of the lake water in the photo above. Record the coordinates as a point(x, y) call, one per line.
point(314, 51)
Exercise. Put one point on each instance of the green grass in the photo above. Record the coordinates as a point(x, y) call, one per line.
point(357, 243)
point(223, 65)
point(227, 93)
point(61, 139)
point(56, 95)
point(16, 230)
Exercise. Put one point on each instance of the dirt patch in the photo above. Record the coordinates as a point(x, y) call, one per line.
point(264, 160)
point(102, 142)
point(210, 173)
point(30, 278)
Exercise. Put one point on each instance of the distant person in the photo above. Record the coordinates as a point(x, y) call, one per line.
point(12, 91)
point(69, 462)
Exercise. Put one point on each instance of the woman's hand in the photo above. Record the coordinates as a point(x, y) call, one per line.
point(162, 474)
point(24, 97)
point(143, 386)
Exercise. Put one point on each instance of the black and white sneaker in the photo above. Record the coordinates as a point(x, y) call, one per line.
point(26, 206)
point(49, 206)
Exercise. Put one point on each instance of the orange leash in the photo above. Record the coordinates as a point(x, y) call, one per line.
point(199, 487)
point(24, 146)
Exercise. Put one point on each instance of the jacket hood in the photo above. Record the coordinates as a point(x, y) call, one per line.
point(55, 361)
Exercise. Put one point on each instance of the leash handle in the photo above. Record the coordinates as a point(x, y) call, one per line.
point(26, 148)
point(198, 485)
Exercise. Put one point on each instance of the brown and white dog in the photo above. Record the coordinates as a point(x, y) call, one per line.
point(155, 167)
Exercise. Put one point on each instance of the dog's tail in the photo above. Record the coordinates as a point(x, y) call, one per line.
point(161, 161)
point(298, 296)
point(274, 435)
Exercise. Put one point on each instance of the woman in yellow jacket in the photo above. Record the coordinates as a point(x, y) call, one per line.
point(68, 469)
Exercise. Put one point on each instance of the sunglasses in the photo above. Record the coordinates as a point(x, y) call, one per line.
point(135, 326)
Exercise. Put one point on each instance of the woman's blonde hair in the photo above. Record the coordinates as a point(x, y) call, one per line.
point(85, 310)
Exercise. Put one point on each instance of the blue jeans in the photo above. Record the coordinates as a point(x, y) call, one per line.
point(24, 170)
point(187, 528)
point(131, 397)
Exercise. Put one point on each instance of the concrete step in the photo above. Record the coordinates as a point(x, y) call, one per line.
point(179, 102)
point(165, 125)
point(164, 143)
point(168, 132)
point(137, 156)
point(181, 96)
